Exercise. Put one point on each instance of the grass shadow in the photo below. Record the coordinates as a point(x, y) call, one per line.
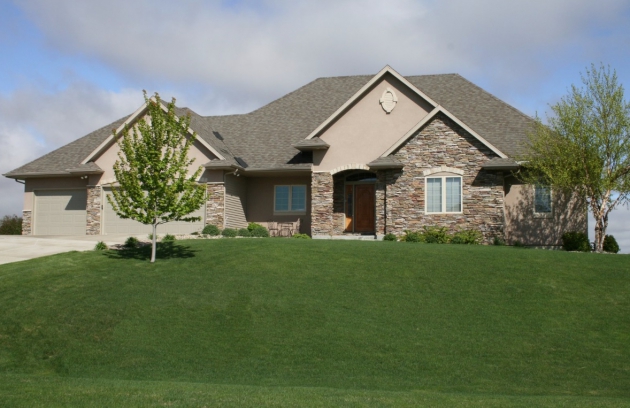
point(165, 250)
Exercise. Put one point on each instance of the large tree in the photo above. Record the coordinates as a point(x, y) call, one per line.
point(152, 169)
point(585, 146)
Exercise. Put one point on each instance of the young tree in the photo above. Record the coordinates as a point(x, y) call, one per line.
point(585, 146)
point(152, 170)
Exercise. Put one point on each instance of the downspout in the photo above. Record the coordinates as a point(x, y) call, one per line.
point(21, 182)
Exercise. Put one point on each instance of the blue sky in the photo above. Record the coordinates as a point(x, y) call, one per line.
point(70, 67)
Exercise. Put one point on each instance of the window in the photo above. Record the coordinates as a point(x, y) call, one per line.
point(443, 194)
point(290, 199)
point(542, 199)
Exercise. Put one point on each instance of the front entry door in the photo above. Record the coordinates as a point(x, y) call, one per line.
point(364, 208)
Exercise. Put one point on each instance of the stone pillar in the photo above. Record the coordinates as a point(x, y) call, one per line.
point(215, 206)
point(94, 210)
point(321, 204)
point(27, 228)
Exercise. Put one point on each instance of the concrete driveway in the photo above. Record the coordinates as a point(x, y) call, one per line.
point(15, 248)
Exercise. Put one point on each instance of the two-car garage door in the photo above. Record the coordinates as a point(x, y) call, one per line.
point(64, 212)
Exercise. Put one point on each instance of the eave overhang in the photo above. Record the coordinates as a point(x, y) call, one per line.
point(308, 145)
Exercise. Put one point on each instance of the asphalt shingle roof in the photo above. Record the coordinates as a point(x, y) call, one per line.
point(263, 139)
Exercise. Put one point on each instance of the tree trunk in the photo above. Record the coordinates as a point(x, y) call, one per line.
point(154, 242)
point(601, 224)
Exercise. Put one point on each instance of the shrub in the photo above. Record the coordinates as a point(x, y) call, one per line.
point(11, 225)
point(498, 241)
point(244, 232)
point(229, 233)
point(575, 241)
point(259, 232)
point(301, 236)
point(131, 242)
point(253, 225)
point(467, 237)
point(390, 237)
point(518, 244)
point(411, 236)
point(150, 237)
point(436, 235)
point(211, 230)
point(194, 233)
point(610, 244)
point(169, 238)
point(100, 246)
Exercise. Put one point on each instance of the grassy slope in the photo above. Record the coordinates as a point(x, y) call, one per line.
point(358, 320)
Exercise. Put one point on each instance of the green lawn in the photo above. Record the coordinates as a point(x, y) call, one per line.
point(273, 322)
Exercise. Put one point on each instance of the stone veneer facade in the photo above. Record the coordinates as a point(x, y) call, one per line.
point(400, 193)
point(94, 210)
point(27, 222)
point(322, 204)
point(215, 206)
point(443, 143)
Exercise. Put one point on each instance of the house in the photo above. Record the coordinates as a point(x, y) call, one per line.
point(342, 156)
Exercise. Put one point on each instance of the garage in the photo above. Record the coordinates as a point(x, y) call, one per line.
point(113, 224)
point(60, 212)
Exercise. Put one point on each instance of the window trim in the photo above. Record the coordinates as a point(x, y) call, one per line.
point(546, 214)
point(443, 204)
point(289, 211)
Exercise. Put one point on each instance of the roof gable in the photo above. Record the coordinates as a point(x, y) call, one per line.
point(137, 115)
point(361, 92)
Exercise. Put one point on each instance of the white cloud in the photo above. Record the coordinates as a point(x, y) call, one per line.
point(264, 49)
point(33, 123)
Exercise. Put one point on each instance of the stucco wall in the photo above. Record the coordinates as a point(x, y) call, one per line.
point(107, 159)
point(569, 213)
point(260, 204)
point(442, 143)
point(366, 131)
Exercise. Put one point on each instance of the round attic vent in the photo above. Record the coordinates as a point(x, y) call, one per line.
point(388, 100)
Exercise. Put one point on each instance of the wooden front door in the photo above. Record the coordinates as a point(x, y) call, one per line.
point(364, 208)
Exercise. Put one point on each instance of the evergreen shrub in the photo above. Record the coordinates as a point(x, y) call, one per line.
point(575, 241)
point(229, 233)
point(610, 244)
point(211, 230)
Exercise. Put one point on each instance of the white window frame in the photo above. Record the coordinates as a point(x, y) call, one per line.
point(443, 206)
point(544, 213)
point(289, 211)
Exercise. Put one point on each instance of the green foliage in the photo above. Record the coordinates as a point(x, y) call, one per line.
point(131, 242)
point(412, 236)
point(585, 146)
point(11, 225)
point(263, 312)
point(467, 237)
point(390, 237)
point(610, 244)
point(301, 236)
point(169, 238)
point(498, 241)
point(253, 225)
point(436, 235)
point(211, 230)
point(229, 233)
point(575, 241)
point(100, 246)
point(518, 244)
point(152, 169)
point(258, 231)
point(244, 232)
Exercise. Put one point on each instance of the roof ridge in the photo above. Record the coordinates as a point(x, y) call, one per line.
point(496, 98)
